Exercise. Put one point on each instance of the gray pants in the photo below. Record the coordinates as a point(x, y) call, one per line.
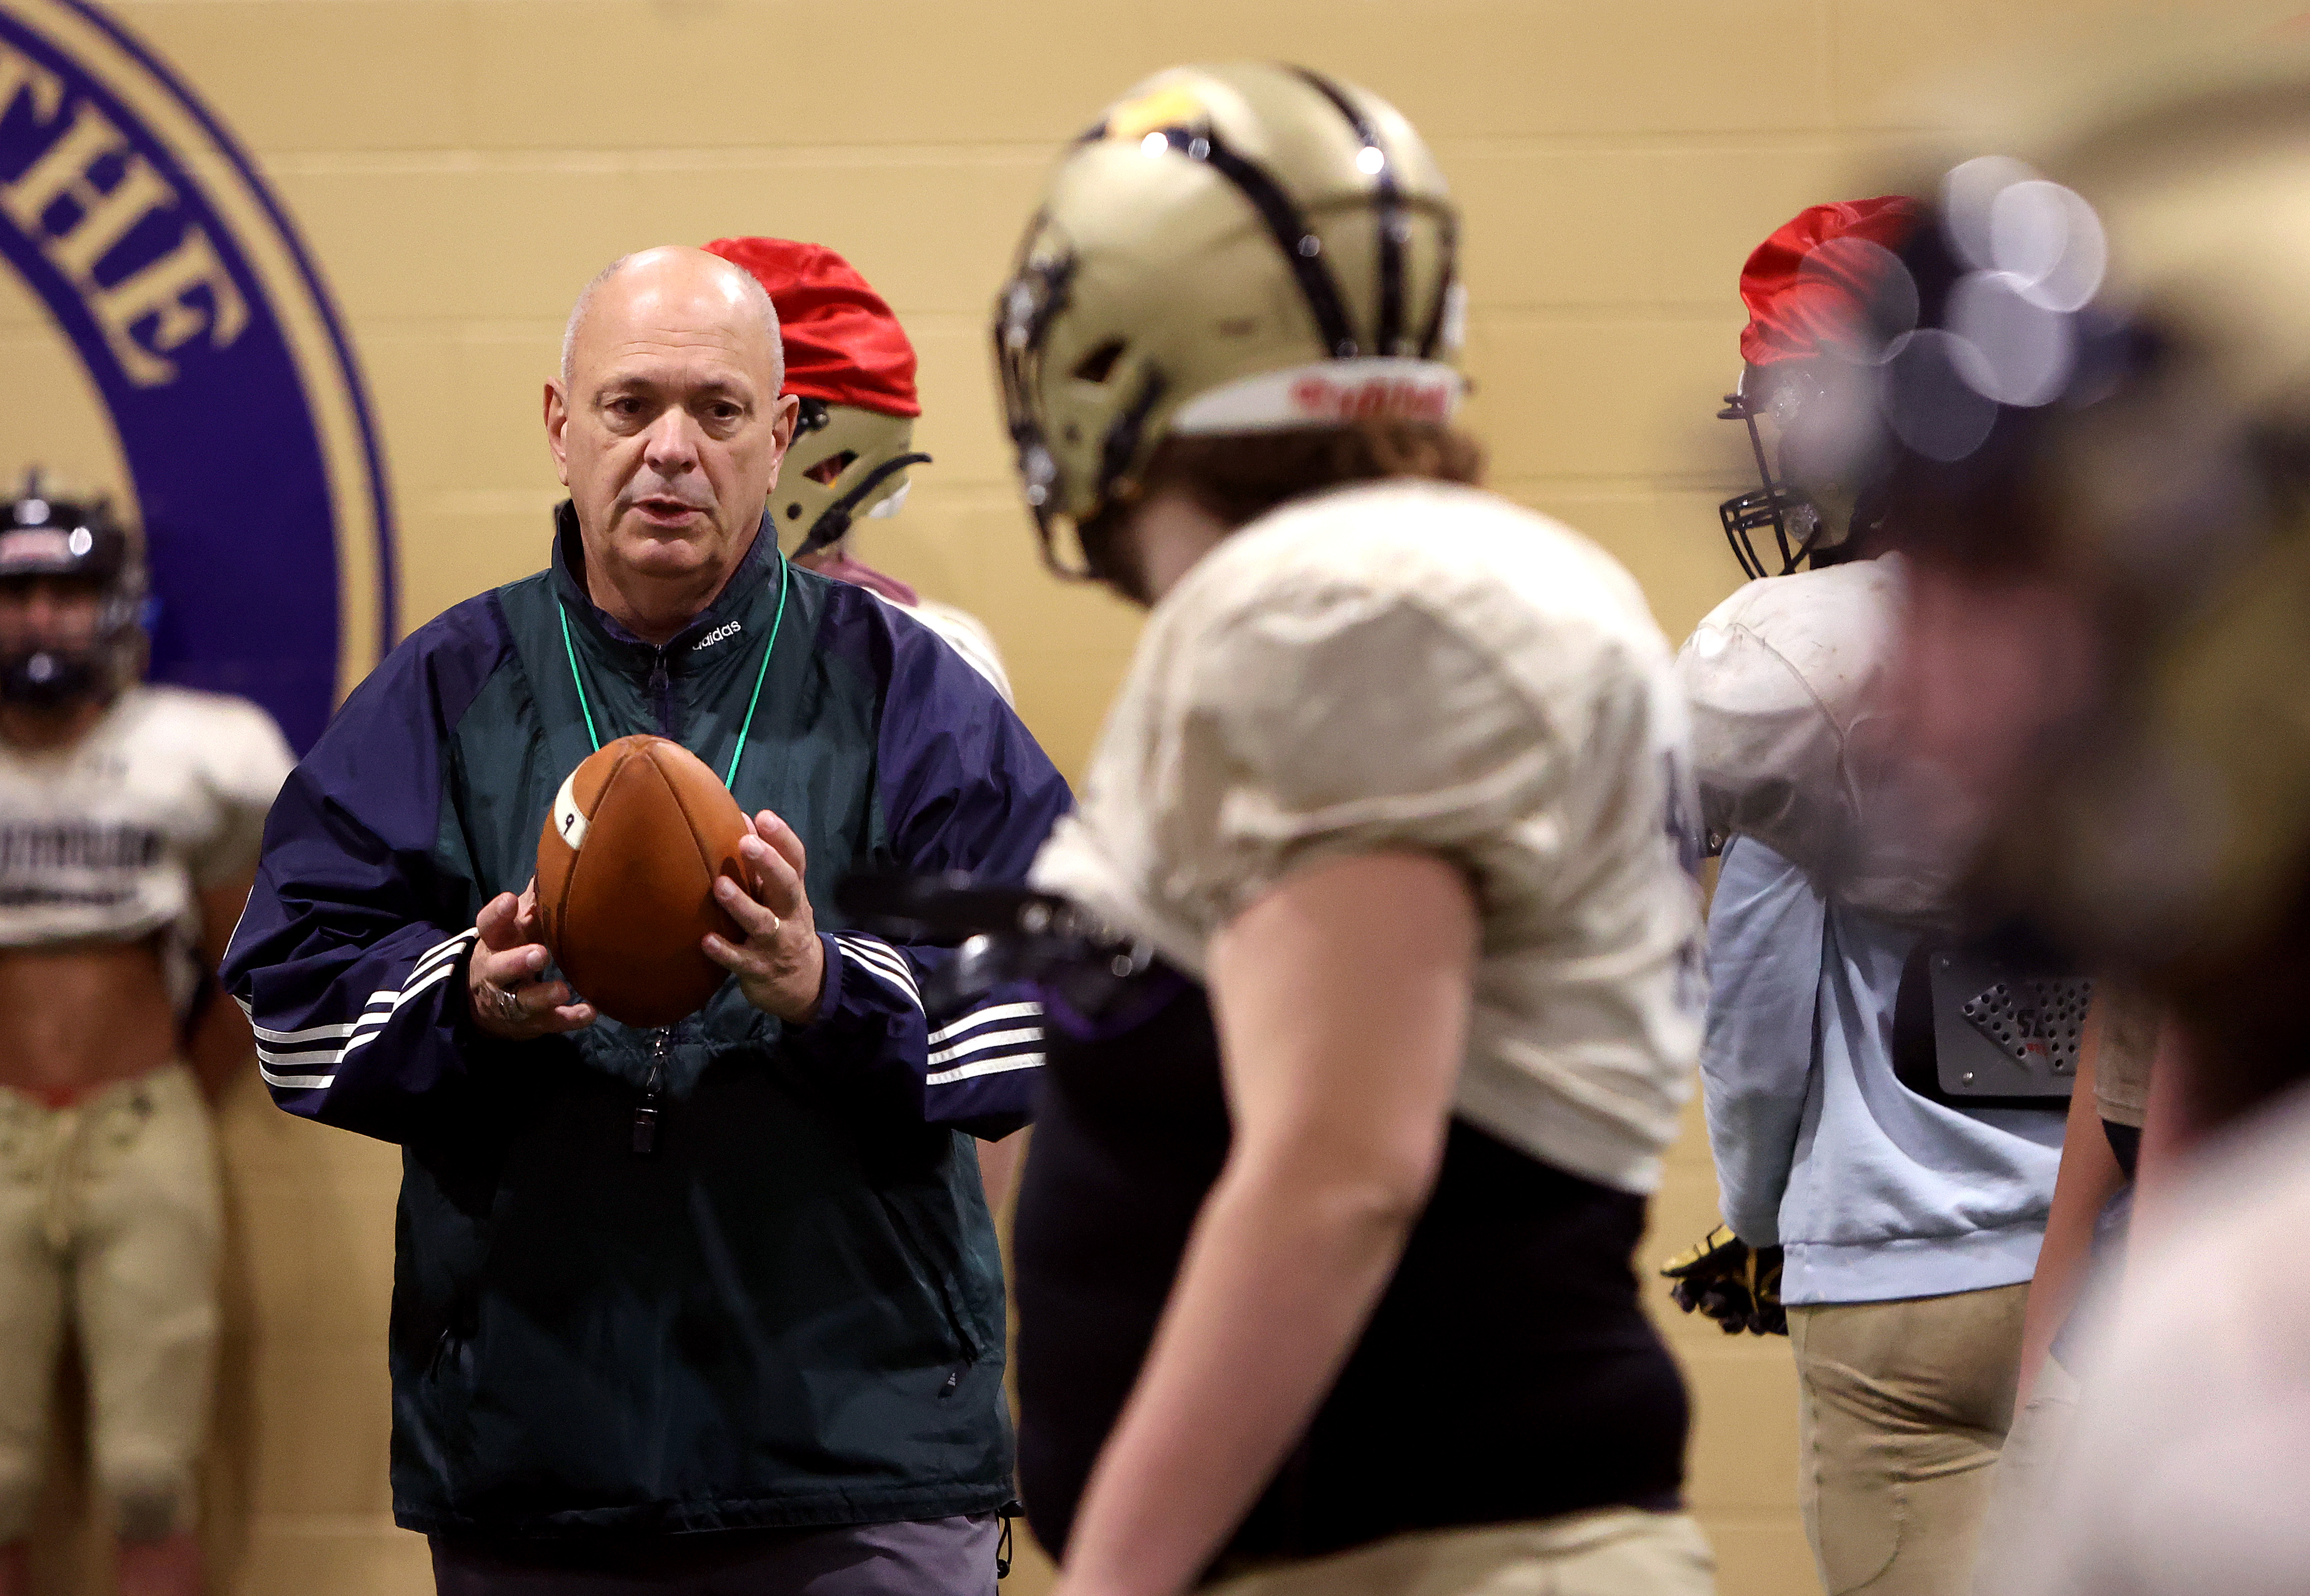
point(943, 1557)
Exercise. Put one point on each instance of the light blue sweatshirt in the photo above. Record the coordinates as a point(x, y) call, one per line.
point(1875, 1192)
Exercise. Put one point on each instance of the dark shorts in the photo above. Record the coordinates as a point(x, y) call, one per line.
point(942, 1556)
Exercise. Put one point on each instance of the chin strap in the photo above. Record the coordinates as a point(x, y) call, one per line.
point(835, 520)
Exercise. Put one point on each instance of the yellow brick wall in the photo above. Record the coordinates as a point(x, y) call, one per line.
point(460, 167)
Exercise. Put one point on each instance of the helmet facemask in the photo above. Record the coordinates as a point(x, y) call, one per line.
point(846, 461)
point(79, 542)
point(1795, 520)
point(1818, 494)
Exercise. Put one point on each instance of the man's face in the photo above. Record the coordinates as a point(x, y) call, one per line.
point(669, 432)
point(58, 612)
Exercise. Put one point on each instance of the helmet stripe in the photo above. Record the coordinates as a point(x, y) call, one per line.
point(1448, 241)
point(1285, 225)
point(1389, 196)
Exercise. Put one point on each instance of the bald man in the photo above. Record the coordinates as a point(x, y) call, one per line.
point(715, 1307)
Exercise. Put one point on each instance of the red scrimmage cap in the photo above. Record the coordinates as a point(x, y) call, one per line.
point(843, 344)
point(1793, 311)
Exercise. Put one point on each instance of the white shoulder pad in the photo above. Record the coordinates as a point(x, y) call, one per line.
point(1779, 673)
point(1786, 683)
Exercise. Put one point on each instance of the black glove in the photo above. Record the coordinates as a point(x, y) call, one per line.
point(1728, 1281)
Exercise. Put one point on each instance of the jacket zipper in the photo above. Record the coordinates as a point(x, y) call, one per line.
point(653, 1094)
point(661, 687)
point(646, 1112)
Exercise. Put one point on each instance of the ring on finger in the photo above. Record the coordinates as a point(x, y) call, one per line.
point(508, 1003)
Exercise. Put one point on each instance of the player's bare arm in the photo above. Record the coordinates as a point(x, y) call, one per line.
point(1342, 1035)
point(218, 1045)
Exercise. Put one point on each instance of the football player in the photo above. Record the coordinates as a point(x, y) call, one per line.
point(129, 821)
point(2098, 437)
point(1906, 1213)
point(850, 362)
point(1324, 1251)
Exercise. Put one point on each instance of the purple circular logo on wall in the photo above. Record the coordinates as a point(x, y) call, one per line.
point(144, 227)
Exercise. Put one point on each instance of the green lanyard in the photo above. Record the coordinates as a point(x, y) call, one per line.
point(737, 753)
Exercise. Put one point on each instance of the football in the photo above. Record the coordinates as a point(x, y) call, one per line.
point(625, 878)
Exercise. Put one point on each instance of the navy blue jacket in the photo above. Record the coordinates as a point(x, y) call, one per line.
point(790, 1311)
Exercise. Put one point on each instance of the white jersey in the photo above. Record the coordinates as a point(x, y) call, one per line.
point(1793, 744)
point(114, 838)
point(964, 633)
point(1427, 667)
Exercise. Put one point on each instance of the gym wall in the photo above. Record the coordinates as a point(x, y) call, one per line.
point(459, 167)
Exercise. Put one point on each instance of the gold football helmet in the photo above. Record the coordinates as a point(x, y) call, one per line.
point(1230, 250)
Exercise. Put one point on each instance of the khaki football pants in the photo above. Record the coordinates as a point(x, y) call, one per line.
point(1615, 1552)
point(1902, 1408)
point(110, 1223)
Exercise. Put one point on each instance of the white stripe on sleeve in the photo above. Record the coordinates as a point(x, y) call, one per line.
point(978, 1016)
point(992, 1041)
point(313, 1034)
point(882, 962)
point(432, 966)
point(990, 1066)
point(441, 952)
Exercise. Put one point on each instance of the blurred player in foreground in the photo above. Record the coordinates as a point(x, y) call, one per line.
point(2098, 447)
point(1908, 1212)
point(1323, 1252)
point(129, 822)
